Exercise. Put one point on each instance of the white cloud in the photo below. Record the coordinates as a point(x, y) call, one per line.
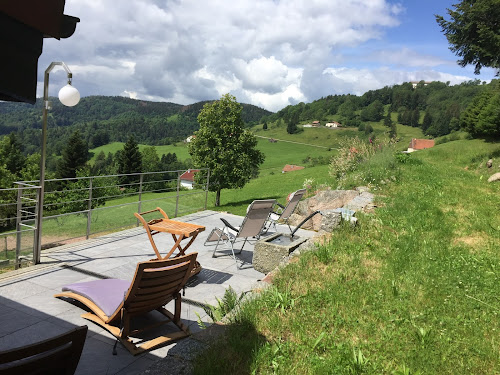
point(269, 52)
point(358, 81)
point(405, 57)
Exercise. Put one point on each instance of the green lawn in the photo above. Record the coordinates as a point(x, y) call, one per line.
point(180, 150)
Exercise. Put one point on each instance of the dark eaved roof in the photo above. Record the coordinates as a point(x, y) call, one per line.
point(23, 25)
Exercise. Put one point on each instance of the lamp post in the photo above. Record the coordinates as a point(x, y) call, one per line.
point(69, 96)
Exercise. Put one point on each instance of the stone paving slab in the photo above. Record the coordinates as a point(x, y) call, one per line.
point(30, 313)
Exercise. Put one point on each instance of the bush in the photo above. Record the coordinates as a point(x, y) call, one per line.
point(442, 140)
point(349, 156)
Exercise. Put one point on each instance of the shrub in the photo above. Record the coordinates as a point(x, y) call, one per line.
point(349, 156)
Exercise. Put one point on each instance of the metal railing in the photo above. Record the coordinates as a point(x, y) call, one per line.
point(81, 207)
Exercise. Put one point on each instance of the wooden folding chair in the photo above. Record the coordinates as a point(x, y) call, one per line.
point(114, 302)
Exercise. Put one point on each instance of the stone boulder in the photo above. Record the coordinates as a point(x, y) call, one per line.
point(495, 177)
point(360, 202)
point(489, 163)
point(324, 200)
point(330, 220)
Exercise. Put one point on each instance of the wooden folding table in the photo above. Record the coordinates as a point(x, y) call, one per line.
point(179, 230)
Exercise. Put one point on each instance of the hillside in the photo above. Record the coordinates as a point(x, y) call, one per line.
point(436, 108)
point(104, 119)
point(412, 289)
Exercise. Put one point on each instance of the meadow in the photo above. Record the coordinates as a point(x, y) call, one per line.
point(311, 148)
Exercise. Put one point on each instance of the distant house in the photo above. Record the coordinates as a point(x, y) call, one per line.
point(190, 138)
point(316, 123)
point(290, 168)
point(187, 178)
point(333, 124)
point(420, 144)
point(415, 83)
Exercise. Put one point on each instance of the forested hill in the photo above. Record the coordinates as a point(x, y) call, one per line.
point(104, 119)
point(436, 107)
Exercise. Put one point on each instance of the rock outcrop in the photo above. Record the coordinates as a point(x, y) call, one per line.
point(334, 205)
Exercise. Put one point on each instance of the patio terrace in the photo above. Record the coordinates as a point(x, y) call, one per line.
point(29, 312)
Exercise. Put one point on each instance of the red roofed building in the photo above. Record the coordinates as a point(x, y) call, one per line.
point(187, 178)
point(420, 144)
point(290, 168)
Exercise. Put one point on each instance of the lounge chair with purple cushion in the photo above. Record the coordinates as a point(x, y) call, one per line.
point(114, 302)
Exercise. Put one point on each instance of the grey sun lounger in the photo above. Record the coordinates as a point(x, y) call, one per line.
point(252, 226)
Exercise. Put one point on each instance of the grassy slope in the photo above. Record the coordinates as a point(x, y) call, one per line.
point(415, 287)
point(180, 149)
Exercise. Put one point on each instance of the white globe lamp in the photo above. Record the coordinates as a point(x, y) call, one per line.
point(69, 96)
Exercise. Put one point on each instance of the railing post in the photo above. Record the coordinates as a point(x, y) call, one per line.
point(139, 208)
point(206, 189)
point(89, 209)
point(177, 197)
point(37, 243)
point(18, 226)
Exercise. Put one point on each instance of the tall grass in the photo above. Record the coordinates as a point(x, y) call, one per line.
point(414, 288)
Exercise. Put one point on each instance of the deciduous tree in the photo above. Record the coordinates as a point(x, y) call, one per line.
point(223, 145)
point(11, 154)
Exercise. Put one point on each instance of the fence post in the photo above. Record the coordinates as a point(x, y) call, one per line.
point(18, 226)
point(177, 197)
point(139, 208)
point(89, 209)
point(206, 189)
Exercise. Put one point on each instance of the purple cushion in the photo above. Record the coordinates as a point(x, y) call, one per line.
point(108, 294)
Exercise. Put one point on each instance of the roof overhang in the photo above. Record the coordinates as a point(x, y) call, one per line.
point(23, 25)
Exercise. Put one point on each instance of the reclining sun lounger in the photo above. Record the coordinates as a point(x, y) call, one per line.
point(252, 226)
point(286, 212)
point(114, 302)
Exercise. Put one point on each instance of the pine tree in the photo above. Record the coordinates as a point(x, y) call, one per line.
point(393, 132)
point(388, 120)
point(415, 116)
point(264, 127)
point(74, 156)
point(129, 161)
point(427, 122)
point(291, 127)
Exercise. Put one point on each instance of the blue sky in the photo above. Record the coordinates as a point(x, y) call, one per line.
point(265, 52)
